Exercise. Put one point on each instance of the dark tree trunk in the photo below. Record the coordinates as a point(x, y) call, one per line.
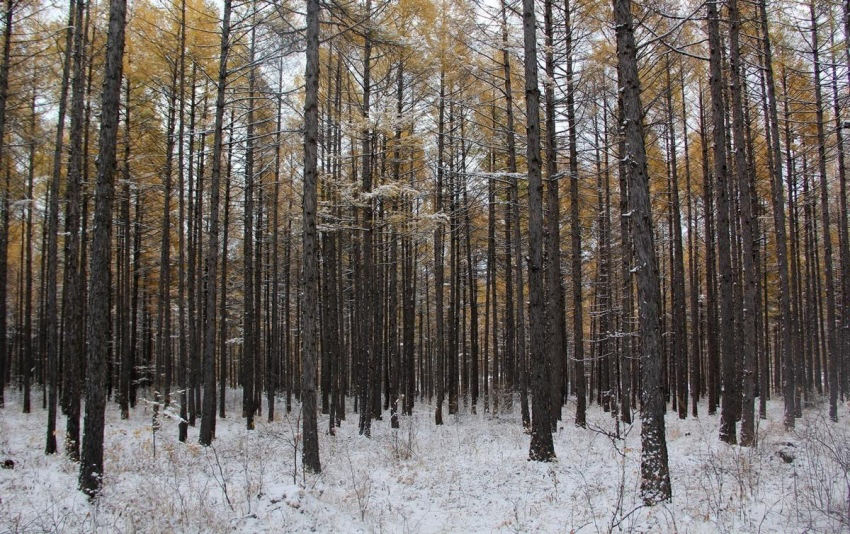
point(181, 268)
point(369, 329)
point(575, 229)
point(627, 285)
point(721, 175)
point(310, 308)
point(655, 474)
point(541, 448)
point(4, 203)
point(748, 346)
point(678, 316)
point(832, 352)
point(205, 436)
point(73, 347)
point(844, 238)
point(509, 353)
point(51, 305)
point(222, 313)
point(694, 375)
point(126, 348)
point(711, 327)
point(91, 464)
point(437, 376)
point(162, 383)
point(249, 320)
point(554, 289)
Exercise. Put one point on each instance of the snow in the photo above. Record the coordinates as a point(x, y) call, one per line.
point(468, 475)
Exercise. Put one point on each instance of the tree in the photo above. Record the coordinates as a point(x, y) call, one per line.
point(724, 261)
point(832, 352)
point(310, 309)
point(51, 304)
point(575, 230)
point(4, 201)
point(72, 288)
point(749, 347)
point(554, 288)
point(542, 447)
point(91, 463)
point(208, 411)
point(655, 474)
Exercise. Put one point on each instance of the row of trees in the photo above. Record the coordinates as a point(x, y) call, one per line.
point(694, 237)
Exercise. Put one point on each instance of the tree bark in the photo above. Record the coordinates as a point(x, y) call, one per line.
point(721, 173)
point(205, 436)
point(655, 474)
point(310, 308)
point(542, 448)
point(575, 229)
point(91, 464)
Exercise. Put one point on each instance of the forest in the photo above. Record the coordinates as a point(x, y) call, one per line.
point(424, 266)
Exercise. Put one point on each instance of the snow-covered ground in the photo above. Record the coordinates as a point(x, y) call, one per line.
point(469, 475)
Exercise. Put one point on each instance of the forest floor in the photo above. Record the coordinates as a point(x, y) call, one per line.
point(469, 475)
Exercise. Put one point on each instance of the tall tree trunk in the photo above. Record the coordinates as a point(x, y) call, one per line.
point(509, 353)
point(844, 238)
point(542, 448)
point(694, 375)
point(126, 348)
point(791, 376)
point(191, 251)
point(554, 290)
point(491, 301)
point(4, 202)
point(711, 325)
point(833, 354)
point(575, 228)
point(163, 316)
point(437, 377)
point(721, 174)
point(249, 320)
point(749, 346)
point(368, 346)
point(181, 268)
point(51, 305)
point(627, 285)
point(310, 309)
point(91, 464)
point(73, 346)
point(209, 327)
point(655, 474)
point(222, 310)
point(273, 361)
point(678, 316)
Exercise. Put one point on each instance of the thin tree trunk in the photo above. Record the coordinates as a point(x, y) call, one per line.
point(309, 318)
point(73, 324)
point(575, 229)
point(4, 202)
point(437, 376)
point(679, 318)
point(554, 290)
point(749, 346)
point(832, 352)
point(126, 348)
point(509, 353)
point(51, 305)
point(208, 412)
point(249, 321)
point(542, 448)
point(727, 329)
point(181, 268)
